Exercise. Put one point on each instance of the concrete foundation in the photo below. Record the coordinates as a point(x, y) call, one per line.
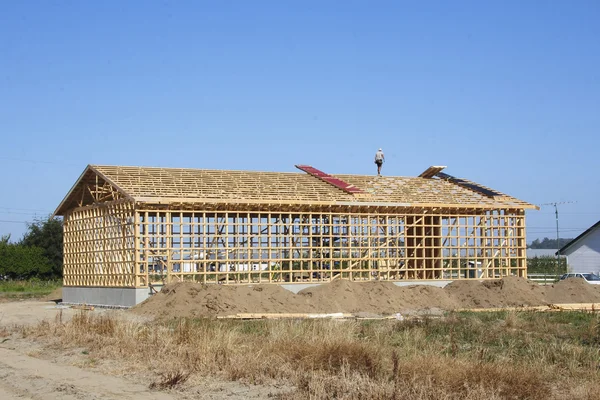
point(439, 284)
point(296, 287)
point(107, 297)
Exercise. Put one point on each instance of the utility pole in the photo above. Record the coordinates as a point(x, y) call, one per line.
point(556, 204)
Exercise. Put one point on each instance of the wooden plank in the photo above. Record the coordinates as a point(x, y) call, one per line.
point(431, 171)
point(578, 306)
point(549, 307)
point(286, 316)
point(338, 183)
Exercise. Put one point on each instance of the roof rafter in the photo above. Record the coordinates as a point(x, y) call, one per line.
point(92, 187)
point(152, 185)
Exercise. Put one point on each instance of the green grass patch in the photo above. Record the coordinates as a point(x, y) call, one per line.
point(29, 288)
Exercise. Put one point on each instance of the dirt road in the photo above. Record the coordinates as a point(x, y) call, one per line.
point(31, 370)
point(26, 312)
point(25, 377)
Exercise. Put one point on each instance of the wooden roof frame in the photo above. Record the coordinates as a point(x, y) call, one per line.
point(320, 193)
point(80, 184)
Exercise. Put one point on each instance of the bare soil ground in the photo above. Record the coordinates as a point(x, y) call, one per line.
point(28, 370)
point(27, 312)
point(26, 377)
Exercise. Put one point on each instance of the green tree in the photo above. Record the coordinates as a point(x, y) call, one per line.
point(47, 234)
point(23, 262)
point(547, 243)
point(546, 265)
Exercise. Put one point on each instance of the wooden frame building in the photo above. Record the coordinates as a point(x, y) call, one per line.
point(129, 228)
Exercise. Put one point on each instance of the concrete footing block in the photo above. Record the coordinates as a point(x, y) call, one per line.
point(104, 297)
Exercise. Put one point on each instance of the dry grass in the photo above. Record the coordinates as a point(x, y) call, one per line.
point(170, 379)
point(463, 356)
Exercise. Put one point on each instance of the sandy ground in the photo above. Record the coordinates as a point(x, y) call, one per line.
point(25, 377)
point(31, 370)
point(26, 312)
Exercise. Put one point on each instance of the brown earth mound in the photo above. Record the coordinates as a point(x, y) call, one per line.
point(196, 300)
point(374, 297)
point(381, 298)
point(506, 292)
point(573, 291)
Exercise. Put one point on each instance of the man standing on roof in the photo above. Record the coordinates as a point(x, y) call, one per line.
point(379, 159)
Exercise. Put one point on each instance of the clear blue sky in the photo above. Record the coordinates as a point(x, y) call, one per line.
point(504, 93)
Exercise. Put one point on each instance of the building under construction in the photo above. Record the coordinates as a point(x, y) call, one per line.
point(130, 229)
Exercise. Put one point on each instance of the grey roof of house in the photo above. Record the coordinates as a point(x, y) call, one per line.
point(572, 242)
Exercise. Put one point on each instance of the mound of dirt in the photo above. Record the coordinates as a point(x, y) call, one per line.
point(370, 298)
point(345, 296)
point(428, 297)
point(573, 291)
point(470, 294)
point(374, 297)
point(197, 300)
point(507, 292)
point(55, 296)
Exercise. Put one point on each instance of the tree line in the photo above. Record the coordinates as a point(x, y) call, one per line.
point(547, 265)
point(39, 254)
point(547, 243)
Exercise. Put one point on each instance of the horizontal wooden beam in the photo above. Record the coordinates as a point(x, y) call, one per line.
point(197, 201)
point(286, 316)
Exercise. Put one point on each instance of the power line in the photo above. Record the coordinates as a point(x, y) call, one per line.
point(553, 227)
point(565, 231)
point(37, 161)
point(570, 213)
point(556, 204)
point(21, 213)
point(15, 222)
point(24, 209)
point(552, 230)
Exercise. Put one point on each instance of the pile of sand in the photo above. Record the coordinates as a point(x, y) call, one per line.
point(196, 300)
point(374, 297)
point(381, 298)
point(507, 292)
point(573, 291)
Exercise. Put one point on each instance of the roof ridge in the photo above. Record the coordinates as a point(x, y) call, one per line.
point(238, 170)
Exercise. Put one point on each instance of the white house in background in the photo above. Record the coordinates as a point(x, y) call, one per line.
point(583, 252)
